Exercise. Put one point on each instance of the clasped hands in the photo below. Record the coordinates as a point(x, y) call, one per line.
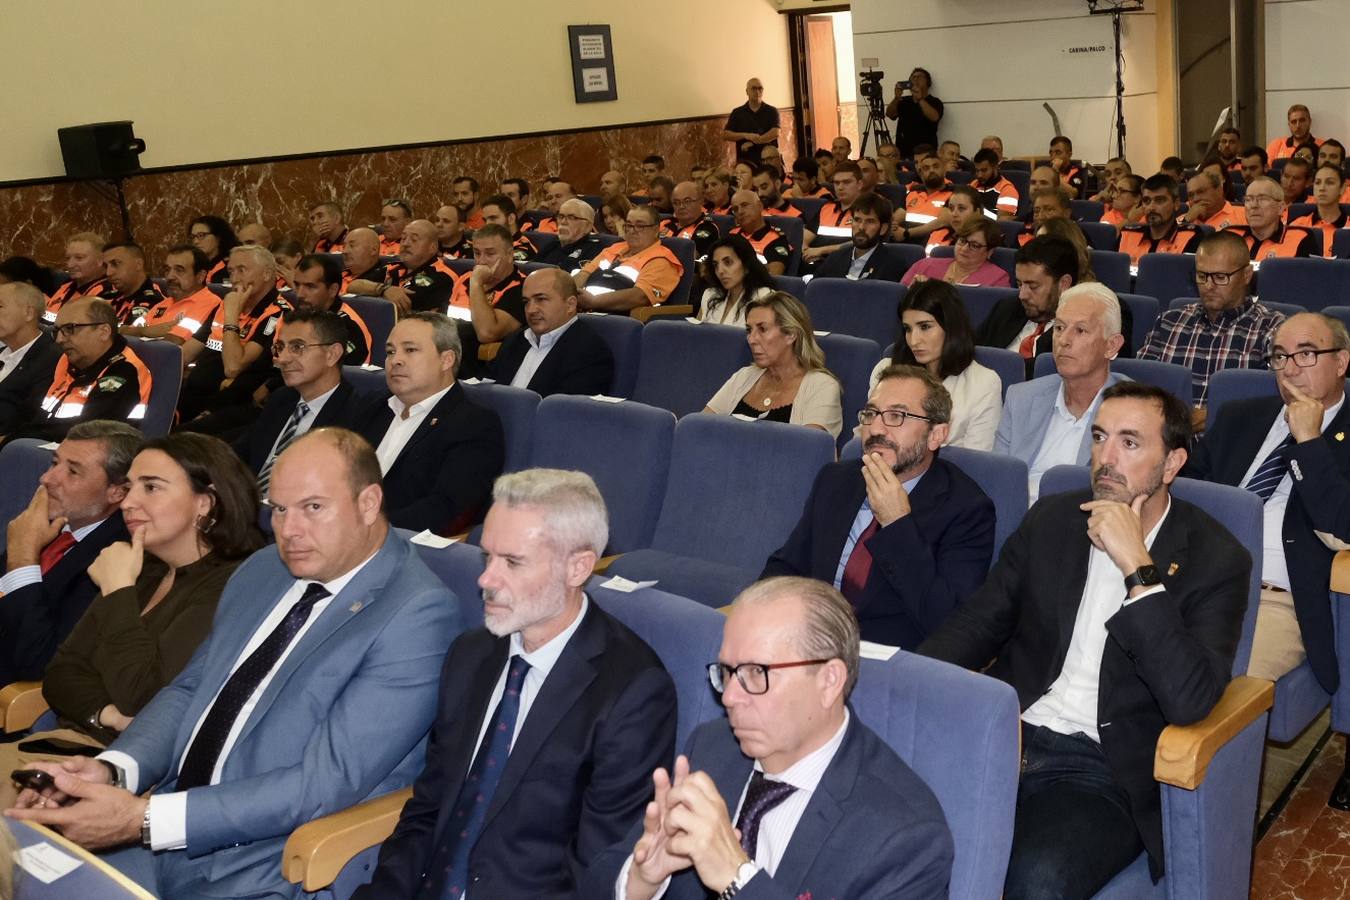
point(83, 806)
point(686, 824)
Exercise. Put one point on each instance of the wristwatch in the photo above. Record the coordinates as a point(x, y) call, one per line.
point(1144, 576)
point(145, 828)
point(744, 872)
point(118, 774)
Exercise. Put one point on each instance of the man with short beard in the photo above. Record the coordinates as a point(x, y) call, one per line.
point(867, 255)
point(552, 716)
point(1113, 614)
point(578, 243)
point(1161, 232)
point(906, 536)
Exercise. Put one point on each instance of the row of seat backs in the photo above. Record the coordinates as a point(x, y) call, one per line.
point(956, 729)
point(1311, 282)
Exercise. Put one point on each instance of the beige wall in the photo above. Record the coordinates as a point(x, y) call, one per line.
point(336, 75)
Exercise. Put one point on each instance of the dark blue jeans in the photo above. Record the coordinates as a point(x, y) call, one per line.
point(1073, 831)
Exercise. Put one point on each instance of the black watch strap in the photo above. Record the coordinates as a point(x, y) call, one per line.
point(1144, 576)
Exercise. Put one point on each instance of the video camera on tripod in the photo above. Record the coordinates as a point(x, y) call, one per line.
point(869, 83)
point(869, 86)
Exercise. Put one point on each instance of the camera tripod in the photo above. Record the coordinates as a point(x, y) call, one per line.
point(876, 123)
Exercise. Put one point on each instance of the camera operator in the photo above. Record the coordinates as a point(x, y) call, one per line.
point(917, 112)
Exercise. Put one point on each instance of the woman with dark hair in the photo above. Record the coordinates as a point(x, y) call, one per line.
point(971, 262)
point(935, 332)
point(287, 252)
point(23, 269)
point(213, 236)
point(192, 510)
point(738, 277)
point(614, 214)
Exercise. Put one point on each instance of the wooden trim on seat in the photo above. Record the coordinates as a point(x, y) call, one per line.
point(644, 314)
point(602, 565)
point(1340, 572)
point(1185, 751)
point(316, 852)
point(21, 704)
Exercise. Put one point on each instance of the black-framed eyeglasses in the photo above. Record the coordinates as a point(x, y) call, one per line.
point(754, 677)
point(891, 417)
point(1219, 278)
point(68, 330)
point(967, 242)
point(298, 347)
point(1304, 359)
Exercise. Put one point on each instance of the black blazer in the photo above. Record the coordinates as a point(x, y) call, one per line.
point(1007, 317)
point(885, 264)
point(345, 409)
point(923, 565)
point(443, 477)
point(22, 390)
point(1169, 657)
point(1320, 501)
point(36, 618)
point(578, 777)
point(579, 363)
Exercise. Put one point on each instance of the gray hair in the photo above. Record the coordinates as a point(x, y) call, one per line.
point(573, 508)
point(1110, 303)
point(29, 296)
point(444, 332)
point(578, 207)
point(120, 442)
point(831, 627)
point(262, 257)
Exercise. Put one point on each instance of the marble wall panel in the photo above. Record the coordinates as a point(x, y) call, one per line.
point(35, 219)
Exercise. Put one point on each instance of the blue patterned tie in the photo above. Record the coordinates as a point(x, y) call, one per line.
point(1265, 479)
point(761, 796)
point(284, 441)
point(466, 819)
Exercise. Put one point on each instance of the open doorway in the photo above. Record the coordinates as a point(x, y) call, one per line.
point(827, 86)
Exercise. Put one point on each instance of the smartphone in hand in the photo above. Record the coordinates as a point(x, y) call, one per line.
point(32, 779)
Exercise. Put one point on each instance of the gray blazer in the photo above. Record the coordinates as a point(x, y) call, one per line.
point(1026, 416)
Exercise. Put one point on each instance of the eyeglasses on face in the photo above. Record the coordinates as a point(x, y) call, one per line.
point(754, 677)
point(1219, 278)
point(969, 244)
point(637, 226)
point(68, 330)
point(1258, 200)
point(1304, 359)
point(893, 418)
point(298, 347)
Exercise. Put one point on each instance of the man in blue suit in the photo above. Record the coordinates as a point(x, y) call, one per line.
point(313, 692)
point(1047, 421)
point(904, 535)
point(823, 806)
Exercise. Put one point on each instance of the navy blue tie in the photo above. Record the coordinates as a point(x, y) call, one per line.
point(1271, 472)
point(466, 818)
point(761, 796)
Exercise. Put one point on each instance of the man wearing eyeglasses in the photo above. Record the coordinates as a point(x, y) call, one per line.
point(638, 271)
point(578, 243)
point(905, 536)
point(821, 805)
point(1125, 208)
point(1291, 451)
point(691, 219)
point(98, 376)
point(1224, 329)
point(1265, 233)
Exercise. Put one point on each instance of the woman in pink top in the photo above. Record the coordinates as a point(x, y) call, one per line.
point(975, 243)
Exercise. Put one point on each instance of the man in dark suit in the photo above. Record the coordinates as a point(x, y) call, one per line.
point(868, 255)
point(439, 452)
point(1291, 451)
point(28, 356)
point(309, 361)
point(551, 717)
point(1113, 615)
point(556, 353)
point(1046, 267)
point(822, 805)
point(905, 535)
point(50, 545)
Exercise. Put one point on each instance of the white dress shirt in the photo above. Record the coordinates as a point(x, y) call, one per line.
point(1070, 705)
point(1274, 569)
point(10, 359)
point(1063, 437)
point(168, 812)
point(26, 575)
point(540, 345)
point(858, 263)
point(779, 823)
point(306, 421)
point(401, 429)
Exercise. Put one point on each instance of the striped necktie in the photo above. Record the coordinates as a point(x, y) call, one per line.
point(1271, 472)
point(287, 435)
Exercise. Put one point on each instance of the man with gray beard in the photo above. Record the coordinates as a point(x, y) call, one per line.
point(551, 717)
point(904, 536)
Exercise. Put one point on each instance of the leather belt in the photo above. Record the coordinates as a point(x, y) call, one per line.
point(1271, 587)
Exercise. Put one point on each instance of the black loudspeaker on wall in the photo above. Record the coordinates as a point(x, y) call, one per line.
point(100, 150)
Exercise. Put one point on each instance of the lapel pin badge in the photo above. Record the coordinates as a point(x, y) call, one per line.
point(1172, 569)
point(1340, 435)
point(433, 422)
point(355, 607)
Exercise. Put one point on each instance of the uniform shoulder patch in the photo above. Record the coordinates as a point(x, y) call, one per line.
point(111, 383)
point(422, 281)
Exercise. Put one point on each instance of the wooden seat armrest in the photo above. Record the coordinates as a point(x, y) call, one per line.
point(645, 313)
point(602, 565)
point(21, 704)
point(1340, 572)
point(1185, 751)
point(316, 851)
point(488, 352)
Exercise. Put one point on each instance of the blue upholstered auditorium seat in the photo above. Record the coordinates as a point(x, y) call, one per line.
point(379, 315)
point(665, 377)
point(865, 309)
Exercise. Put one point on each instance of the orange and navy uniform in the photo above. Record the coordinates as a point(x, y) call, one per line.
point(655, 271)
point(783, 209)
point(376, 273)
point(1006, 195)
point(545, 225)
point(99, 287)
point(1227, 216)
point(835, 221)
point(206, 385)
point(461, 250)
point(507, 295)
point(719, 210)
point(1026, 234)
point(524, 249)
point(1114, 217)
point(116, 386)
point(943, 237)
point(1074, 178)
point(1283, 148)
point(429, 285)
point(188, 314)
point(820, 193)
point(1138, 240)
point(356, 351)
point(1314, 220)
point(334, 245)
point(133, 306)
point(1287, 242)
point(474, 219)
point(770, 245)
point(923, 206)
point(388, 247)
point(703, 232)
point(219, 273)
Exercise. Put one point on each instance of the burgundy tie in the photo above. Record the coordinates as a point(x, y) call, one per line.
point(52, 553)
point(859, 566)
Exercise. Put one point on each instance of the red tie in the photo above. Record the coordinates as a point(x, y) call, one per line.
point(52, 553)
point(859, 566)
point(1027, 349)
